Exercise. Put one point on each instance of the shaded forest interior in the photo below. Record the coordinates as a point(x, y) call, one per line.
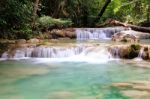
point(25, 18)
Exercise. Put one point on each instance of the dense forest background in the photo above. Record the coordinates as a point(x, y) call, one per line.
point(23, 18)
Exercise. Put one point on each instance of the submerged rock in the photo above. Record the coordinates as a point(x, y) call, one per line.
point(134, 89)
point(135, 94)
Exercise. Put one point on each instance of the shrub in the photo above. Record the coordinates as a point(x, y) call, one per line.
point(24, 33)
point(47, 22)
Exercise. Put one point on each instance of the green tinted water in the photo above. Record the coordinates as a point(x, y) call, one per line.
point(25, 79)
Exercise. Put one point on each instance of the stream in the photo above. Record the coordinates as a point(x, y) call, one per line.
point(71, 69)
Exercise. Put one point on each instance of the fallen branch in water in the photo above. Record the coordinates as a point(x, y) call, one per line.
point(133, 27)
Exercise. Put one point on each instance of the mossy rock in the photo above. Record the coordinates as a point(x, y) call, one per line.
point(134, 50)
point(135, 46)
point(3, 47)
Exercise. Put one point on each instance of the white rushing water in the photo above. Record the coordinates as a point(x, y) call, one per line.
point(139, 58)
point(77, 53)
point(88, 55)
point(97, 33)
point(61, 54)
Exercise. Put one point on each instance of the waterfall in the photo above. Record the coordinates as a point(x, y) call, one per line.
point(90, 54)
point(56, 52)
point(141, 52)
point(80, 53)
point(44, 52)
point(115, 51)
point(139, 58)
point(97, 33)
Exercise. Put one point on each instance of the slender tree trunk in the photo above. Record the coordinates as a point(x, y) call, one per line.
point(148, 13)
point(102, 10)
point(35, 9)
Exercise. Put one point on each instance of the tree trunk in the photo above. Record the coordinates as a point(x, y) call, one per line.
point(133, 27)
point(148, 13)
point(35, 9)
point(102, 10)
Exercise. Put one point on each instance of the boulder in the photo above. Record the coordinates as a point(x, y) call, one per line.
point(145, 54)
point(56, 33)
point(125, 51)
point(70, 34)
point(33, 41)
point(21, 41)
point(125, 36)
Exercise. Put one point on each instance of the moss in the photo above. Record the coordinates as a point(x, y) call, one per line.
point(134, 50)
point(135, 46)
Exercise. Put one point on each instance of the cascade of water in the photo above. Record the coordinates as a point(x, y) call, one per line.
point(78, 53)
point(139, 58)
point(85, 35)
point(44, 52)
point(141, 53)
point(56, 52)
point(115, 52)
point(81, 51)
point(97, 33)
point(90, 54)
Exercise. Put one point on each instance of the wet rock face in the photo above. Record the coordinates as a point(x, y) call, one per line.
point(3, 47)
point(130, 36)
point(21, 41)
point(34, 41)
point(58, 33)
point(146, 53)
point(64, 33)
point(130, 51)
point(134, 50)
point(127, 52)
point(124, 36)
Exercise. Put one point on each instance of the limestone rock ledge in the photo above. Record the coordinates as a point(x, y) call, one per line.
point(130, 51)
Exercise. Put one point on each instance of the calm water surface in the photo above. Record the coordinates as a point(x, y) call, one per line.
point(27, 79)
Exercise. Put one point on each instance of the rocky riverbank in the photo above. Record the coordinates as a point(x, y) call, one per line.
point(128, 48)
point(32, 48)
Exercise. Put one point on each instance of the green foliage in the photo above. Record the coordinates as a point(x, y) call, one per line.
point(134, 50)
point(47, 22)
point(136, 46)
point(24, 33)
point(15, 15)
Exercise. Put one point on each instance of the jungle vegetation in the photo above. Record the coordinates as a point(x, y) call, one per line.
point(24, 18)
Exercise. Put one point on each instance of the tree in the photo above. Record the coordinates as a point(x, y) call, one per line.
point(35, 9)
point(102, 10)
point(15, 15)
